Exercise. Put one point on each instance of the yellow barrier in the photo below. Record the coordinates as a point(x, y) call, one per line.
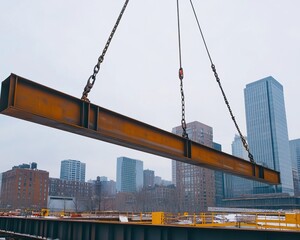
point(158, 218)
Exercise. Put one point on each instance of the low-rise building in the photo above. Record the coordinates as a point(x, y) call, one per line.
point(81, 192)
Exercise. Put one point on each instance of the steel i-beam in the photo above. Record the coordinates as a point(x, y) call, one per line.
point(24, 99)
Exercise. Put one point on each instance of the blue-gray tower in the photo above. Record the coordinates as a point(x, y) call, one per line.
point(267, 132)
point(237, 186)
point(129, 175)
point(295, 157)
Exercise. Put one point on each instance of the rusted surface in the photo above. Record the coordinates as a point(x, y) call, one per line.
point(33, 102)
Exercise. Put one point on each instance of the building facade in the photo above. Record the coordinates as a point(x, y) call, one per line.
point(236, 186)
point(81, 193)
point(129, 175)
point(108, 188)
point(267, 132)
point(195, 185)
point(295, 157)
point(67, 188)
point(158, 180)
point(156, 199)
point(148, 178)
point(159, 199)
point(24, 188)
point(264, 201)
point(72, 170)
point(219, 180)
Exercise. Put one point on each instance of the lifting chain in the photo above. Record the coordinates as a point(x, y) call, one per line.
point(92, 78)
point(243, 139)
point(213, 67)
point(183, 123)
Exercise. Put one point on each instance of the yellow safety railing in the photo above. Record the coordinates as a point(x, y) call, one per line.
point(278, 221)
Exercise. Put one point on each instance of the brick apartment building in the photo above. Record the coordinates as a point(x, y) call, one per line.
point(82, 193)
point(68, 188)
point(24, 187)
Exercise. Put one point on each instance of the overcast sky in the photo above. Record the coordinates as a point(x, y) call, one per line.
point(57, 43)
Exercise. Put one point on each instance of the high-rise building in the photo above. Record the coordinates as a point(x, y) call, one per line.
point(295, 157)
point(238, 149)
point(129, 175)
point(267, 132)
point(103, 178)
point(104, 187)
point(195, 185)
point(72, 170)
point(148, 178)
point(158, 180)
point(166, 183)
point(236, 186)
point(23, 187)
point(108, 188)
point(219, 180)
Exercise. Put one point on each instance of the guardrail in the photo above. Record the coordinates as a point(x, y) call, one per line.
point(276, 221)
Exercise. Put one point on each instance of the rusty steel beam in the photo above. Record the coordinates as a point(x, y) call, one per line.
point(24, 99)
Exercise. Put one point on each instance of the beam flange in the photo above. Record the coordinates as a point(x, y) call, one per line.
point(27, 100)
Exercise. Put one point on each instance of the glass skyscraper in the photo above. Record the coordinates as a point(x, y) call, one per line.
point(129, 175)
point(148, 178)
point(267, 132)
point(72, 170)
point(295, 157)
point(219, 180)
point(237, 186)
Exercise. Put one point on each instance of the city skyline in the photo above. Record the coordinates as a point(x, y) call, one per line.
point(101, 177)
point(46, 43)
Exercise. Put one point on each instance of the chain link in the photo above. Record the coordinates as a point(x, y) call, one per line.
point(183, 122)
point(223, 93)
point(245, 144)
point(91, 81)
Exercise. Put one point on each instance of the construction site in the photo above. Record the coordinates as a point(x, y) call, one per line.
point(29, 100)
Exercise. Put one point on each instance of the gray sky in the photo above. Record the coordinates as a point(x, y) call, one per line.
point(57, 43)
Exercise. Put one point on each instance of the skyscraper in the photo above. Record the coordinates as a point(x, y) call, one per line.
point(129, 174)
point(236, 186)
point(267, 132)
point(195, 185)
point(295, 157)
point(219, 180)
point(148, 178)
point(72, 170)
